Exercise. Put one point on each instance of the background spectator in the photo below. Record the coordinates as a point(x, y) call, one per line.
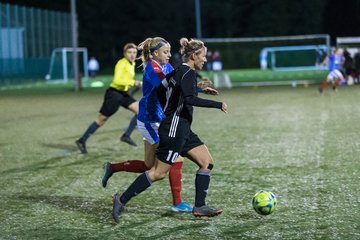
point(216, 59)
point(357, 65)
point(93, 66)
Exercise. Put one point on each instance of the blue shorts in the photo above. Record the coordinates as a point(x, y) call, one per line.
point(149, 131)
point(335, 75)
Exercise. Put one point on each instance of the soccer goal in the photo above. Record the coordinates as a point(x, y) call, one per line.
point(294, 58)
point(241, 53)
point(61, 64)
point(352, 46)
point(350, 43)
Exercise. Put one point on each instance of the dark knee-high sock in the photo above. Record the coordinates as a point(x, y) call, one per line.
point(140, 184)
point(91, 129)
point(131, 126)
point(202, 182)
point(175, 178)
point(137, 166)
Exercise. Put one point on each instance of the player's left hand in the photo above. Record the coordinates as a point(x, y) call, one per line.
point(210, 91)
point(205, 82)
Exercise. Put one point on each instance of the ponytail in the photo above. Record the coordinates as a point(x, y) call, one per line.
point(190, 47)
point(148, 46)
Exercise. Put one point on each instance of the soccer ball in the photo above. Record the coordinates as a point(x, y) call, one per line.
point(264, 202)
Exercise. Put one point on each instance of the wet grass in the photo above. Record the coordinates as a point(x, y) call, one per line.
point(302, 146)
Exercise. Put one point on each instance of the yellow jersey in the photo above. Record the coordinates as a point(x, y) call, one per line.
point(124, 75)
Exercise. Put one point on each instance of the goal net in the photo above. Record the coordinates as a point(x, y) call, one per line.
point(242, 53)
point(350, 43)
point(61, 65)
point(352, 46)
point(290, 53)
point(294, 58)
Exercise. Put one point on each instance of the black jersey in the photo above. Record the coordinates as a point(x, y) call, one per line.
point(181, 95)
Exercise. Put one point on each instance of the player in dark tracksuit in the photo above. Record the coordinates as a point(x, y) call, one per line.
point(176, 136)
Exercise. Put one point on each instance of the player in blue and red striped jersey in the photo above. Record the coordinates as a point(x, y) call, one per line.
point(335, 62)
point(155, 54)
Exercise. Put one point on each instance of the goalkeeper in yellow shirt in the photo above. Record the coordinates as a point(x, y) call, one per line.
point(117, 95)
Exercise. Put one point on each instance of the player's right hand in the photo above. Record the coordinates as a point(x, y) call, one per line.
point(138, 83)
point(171, 74)
point(224, 107)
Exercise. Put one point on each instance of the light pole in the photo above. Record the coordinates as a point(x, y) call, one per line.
point(198, 19)
point(74, 30)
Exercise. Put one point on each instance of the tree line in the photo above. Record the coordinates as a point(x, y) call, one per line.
point(105, 26)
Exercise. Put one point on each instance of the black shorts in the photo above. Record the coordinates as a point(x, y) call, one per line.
point(181, 141)
point(113, 99)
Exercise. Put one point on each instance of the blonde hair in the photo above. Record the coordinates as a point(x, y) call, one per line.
point(190, 47)
point(148, 46)
point(129, 46)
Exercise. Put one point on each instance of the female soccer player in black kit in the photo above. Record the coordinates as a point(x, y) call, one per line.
point(175, 133)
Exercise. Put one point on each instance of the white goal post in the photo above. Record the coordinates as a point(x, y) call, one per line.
point(245, 52)
point(59, 59)
point(221, 80)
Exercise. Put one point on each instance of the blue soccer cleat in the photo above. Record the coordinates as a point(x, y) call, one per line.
point(182, 207)
point(107, 174)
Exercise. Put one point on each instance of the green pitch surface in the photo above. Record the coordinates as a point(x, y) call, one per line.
point(301, 146)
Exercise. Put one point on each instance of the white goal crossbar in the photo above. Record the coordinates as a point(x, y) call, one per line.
point(347, 40)
point(326, 37)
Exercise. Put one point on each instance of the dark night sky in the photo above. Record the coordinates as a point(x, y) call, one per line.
point(104, 26)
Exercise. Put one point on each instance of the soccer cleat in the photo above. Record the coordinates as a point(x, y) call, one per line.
point(118, 207)
point(320, 90)
point(107, 174)
point(206, 211)
point(182, 207)
point(81, 145)
point(128, 140)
